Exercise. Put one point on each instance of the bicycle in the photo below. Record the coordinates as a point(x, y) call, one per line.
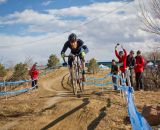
point(76, 75)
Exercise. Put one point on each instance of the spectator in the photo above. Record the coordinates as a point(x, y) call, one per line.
point(122, 55)
point(114, 71)
point(139, 68)
point(130, 65)
point(34, 75)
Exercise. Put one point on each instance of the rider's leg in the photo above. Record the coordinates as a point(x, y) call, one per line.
point(131, 76)
point(127, 75)
point(70, 60)
point(83, 68)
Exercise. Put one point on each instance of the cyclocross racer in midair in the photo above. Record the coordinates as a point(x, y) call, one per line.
point(77, 47)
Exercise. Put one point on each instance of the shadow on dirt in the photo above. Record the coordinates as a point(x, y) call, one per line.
point(85, 102)
point(97, 120)
point(102, 114)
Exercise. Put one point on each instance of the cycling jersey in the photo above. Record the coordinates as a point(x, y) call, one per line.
point(122, 60)
point(80, 45)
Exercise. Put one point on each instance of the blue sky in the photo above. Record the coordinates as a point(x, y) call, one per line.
point(12, 6)
point(24, 23)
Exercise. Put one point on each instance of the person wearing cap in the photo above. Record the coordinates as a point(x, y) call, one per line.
point(122, 55)
point(77, 47)
point(139, 68)
point(34, 75)
point(114, 71)
point(130, 63)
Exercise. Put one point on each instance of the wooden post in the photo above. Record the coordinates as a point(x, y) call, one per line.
point(128, 73)
point(119, 85)
point(102, 86)
point(123, 83)
point(28, 86)
point(5, 87)
point(94, 81)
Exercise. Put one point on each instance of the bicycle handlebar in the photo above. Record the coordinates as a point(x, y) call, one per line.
point(71, 55)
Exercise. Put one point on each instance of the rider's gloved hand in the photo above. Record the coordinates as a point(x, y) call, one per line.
point(63, 55)
point(82, 54)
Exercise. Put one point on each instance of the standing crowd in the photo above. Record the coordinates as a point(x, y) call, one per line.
point(127, 66)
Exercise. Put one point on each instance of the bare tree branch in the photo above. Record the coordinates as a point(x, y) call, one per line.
point(150, 16)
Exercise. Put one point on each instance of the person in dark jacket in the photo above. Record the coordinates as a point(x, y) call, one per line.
point(114, 71)
point(77, 47)
point(139, 68)
point(34, 75)
point(130, 65)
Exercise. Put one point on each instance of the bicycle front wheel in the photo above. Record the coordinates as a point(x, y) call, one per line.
point(74, 81)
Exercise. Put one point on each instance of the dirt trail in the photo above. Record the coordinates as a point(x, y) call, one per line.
point(9, 125)
point(51, 83)
point(54, 84)
point(62, 110)
point(53, 106)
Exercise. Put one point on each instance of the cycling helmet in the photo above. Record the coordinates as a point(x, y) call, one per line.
point(72, 37)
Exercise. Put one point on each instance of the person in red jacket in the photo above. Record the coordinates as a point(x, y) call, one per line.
point(122, 55)
point(34, 75)
point(139, 68)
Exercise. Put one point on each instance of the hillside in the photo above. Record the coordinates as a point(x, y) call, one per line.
point(53, 106)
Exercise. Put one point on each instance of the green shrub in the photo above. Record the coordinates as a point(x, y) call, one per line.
point(93, 66)
point(52, 61)
point(3, 71)
point(20, 72)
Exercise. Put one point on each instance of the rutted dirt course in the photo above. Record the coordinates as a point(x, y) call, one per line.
point(53, 106)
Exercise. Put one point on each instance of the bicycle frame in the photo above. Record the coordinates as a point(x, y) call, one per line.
point(76, 76)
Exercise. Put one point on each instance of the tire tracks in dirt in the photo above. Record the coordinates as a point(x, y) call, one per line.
point(57, 86)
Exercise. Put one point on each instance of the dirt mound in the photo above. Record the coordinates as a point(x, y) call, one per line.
point(152, 114)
